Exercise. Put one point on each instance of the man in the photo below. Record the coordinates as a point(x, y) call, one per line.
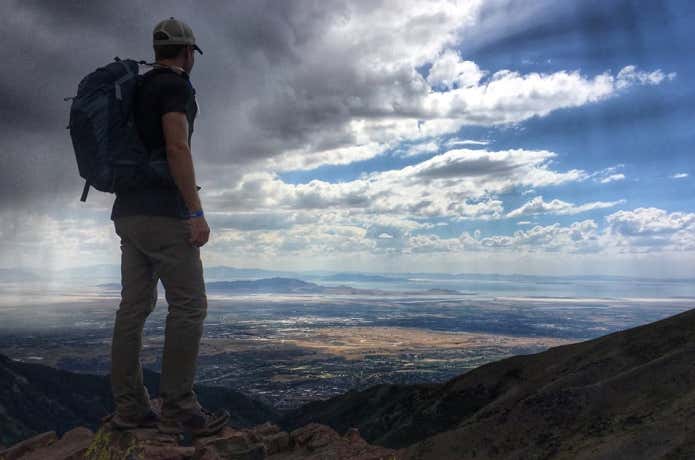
point(162, 229)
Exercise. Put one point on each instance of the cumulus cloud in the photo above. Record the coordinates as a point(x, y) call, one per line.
point(510, 97)
point(450, 71)
point(649, 221)
point(539, 206)
point(577, 237)
point(457, 184)
point(637, 231)
point(245, 220)
point(376, 239)
point(422, 148)
point(679, 175)
point(341, 232)
point(652, 229)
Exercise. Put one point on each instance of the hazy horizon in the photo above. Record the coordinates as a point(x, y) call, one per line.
point(96, 270)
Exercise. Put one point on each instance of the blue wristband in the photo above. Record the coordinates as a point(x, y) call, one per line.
point(196, 214)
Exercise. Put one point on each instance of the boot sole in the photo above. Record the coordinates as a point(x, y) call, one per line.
point(206, 431)
point(132, 426)
point(117, 423)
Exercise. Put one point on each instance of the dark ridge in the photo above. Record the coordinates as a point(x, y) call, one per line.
point(35, 398)
point(616, 384)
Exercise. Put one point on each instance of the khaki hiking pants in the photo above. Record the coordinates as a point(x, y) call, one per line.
point(153, 248)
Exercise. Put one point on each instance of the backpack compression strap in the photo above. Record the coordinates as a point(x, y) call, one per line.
point(85, 190)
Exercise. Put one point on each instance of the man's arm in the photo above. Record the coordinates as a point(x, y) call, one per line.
point(175, 128)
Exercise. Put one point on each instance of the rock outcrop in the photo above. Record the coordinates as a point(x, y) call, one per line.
point(266, 441)
point(72, 446)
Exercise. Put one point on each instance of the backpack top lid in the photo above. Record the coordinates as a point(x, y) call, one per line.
point(115, 74)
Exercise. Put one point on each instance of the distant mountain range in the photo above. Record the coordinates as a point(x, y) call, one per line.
point(294, 286)
point(266, 285)
point(112, 272)
point(362, 278)
point(13, 275)
point(627, 395)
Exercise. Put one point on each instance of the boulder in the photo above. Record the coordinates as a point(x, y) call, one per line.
point(28, 445)
point(71, 446)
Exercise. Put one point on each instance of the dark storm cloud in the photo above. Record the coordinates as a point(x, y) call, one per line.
point(264, 86)
point(50, 46)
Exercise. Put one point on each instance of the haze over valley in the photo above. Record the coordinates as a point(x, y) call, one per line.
point(290, 338)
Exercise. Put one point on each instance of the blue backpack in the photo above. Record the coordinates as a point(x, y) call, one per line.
point(110, 154)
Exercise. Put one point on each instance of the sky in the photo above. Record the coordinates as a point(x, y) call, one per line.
point(497, 136)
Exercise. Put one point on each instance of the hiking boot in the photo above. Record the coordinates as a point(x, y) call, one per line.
point(198, 423)
point(118, 422)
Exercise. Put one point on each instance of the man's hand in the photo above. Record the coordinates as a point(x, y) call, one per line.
point(200, 232)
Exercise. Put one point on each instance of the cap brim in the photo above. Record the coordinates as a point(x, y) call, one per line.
point(195, 47)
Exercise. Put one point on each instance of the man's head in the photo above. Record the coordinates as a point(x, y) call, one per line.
point(174, 44)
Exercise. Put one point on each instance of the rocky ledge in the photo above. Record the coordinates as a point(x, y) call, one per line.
point(313, 441)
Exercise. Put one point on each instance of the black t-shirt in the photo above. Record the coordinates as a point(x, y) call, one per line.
point(162, 91)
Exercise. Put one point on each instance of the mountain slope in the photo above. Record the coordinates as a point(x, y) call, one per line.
point(629, 394)
point(36, 398)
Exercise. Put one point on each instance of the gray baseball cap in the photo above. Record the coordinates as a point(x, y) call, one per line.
point(177, 32)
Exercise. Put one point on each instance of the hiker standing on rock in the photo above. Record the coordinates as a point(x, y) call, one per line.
point(162, 228)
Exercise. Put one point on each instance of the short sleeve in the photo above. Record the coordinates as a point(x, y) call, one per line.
point(174, 93)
